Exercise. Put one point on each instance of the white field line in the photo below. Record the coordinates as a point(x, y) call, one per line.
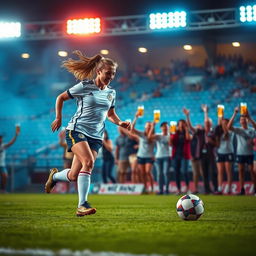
point(67, 252)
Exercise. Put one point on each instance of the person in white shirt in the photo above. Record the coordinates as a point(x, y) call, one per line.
point(244, 152)
point(3, 147)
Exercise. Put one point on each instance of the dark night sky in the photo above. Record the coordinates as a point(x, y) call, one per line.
point(42, 10)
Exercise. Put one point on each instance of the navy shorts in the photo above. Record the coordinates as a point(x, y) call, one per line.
point(242, 159)
point(145, 160)
point(73, 137)
point(221, 158)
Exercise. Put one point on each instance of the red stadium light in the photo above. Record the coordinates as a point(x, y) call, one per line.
point(83, 26)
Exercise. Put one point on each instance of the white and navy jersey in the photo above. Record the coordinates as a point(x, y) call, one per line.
point(2, 155)
point(93, 105)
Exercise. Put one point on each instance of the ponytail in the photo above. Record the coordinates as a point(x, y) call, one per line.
point(85, 67)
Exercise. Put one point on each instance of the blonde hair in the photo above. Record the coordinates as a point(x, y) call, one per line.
point(86, 67)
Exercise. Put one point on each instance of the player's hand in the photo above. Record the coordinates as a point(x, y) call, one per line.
point(56, 124)
point(204, 107)
point(126, 125)
point(186, 111)
point(236, 110)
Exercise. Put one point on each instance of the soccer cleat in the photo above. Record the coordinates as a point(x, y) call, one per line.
point(85, 209)
point(50, 183)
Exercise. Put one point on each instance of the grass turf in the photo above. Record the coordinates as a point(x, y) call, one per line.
point(135, 224)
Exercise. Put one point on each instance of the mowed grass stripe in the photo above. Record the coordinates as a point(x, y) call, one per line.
point(129, 224)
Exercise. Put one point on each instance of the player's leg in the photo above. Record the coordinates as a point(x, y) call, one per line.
point(4, 177)
point(104, 171)
point(148, 169)
point(184, 164)
point(141, 167)
point(160, 174)
point(228, 169)
point(220, 168)
point(87, 158)
point(110, 165)
point(241, 167)
point(196, 170)
point(166, 170)
point(177, 166)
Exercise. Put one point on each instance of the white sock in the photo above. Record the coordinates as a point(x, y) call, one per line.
point(219, 188)
point(61, 176)
point(83, 186)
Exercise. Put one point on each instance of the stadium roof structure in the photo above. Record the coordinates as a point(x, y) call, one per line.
point(135, 25)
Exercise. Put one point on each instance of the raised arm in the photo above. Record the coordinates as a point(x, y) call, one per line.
point(230, 123)
point(56, 124)
point(151, 135)
point(187, 112)
point(133, 130)
point(251, 120)
point(205, 110)
point(113, 117)
point(17, 132)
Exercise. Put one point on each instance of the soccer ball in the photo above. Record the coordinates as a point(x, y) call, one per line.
point(190, 207)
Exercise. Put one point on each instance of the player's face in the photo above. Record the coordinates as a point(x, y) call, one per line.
point(147, 127)
point(164, 128)
point(224, 124)
point(106, 74)
point(243, 120)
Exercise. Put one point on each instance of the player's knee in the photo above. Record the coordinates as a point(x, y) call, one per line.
point(88, 164)
point(72, 177)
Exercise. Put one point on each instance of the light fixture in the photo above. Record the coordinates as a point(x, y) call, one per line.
point(62, 53)
point(142, 49)
point(25, 55)
point(236, 44)
point(187, 47)
point(104, 51)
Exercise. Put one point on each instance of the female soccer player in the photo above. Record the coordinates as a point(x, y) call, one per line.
point(84, 133)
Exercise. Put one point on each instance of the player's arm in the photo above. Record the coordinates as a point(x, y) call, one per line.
point(13, 139)
point(187, 112)
point(56, 124)
point(230, 123)
point(133, 130)
point(205, 110)
point(151, 135)
point(251, 120)
point(113, 117)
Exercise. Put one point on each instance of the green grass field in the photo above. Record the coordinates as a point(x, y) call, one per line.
point(136, 224)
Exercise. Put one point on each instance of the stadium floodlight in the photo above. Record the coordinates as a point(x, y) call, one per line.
point(104, 51)
point(248, 13)
point(10, 29)
point(25, 55)
point(187, 47)
point(167, 20)
point(83, 26)
point(142, 49)
point(62, 53)
point(236, 44)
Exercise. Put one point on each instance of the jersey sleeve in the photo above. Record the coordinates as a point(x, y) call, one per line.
point(77, 90)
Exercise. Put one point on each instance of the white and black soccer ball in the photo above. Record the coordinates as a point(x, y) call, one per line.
point(190, 207)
